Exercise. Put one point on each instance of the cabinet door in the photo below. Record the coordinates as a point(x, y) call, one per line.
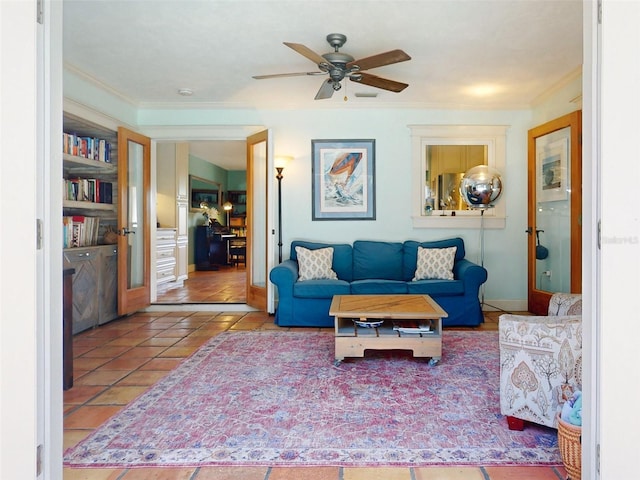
point(108, 284)
point(182, 172)
point(182, 216)
point(86, 303)
point(476, 155)
point(182, 260)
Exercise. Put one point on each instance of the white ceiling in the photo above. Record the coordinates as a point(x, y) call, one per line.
point(465, 54)
point(227, 154)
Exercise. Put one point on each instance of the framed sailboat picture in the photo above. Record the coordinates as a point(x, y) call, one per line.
point(343, 173)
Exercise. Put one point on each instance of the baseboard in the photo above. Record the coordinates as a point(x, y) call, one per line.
point(200, 307)
point(504, 305)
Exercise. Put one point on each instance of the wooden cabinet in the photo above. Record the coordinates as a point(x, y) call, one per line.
point(108, 283)
point(94, 285)
point(455, 158)
point(67, 328)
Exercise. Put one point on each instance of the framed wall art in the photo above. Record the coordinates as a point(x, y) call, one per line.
point(202, 190)
point(343, 179)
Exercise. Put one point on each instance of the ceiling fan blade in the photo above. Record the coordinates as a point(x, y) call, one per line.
point(278, 75)
point(387, 58)
point(326, 90)
point(307, 52)
point(379, 82)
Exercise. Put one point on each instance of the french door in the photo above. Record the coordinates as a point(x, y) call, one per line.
point(555, 210)
point(260, 231)
point(134, 226)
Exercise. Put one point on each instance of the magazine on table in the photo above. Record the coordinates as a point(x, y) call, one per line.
point(424, 326)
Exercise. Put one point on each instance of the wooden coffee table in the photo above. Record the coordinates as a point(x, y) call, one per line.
point(399, 317)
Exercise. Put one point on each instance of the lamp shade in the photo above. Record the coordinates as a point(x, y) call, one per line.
point(281, 161)
point(227, 206)
point(481, 186)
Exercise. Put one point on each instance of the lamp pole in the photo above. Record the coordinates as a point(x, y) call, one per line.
point(279, 177)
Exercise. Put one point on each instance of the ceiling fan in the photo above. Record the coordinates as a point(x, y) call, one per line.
point(340, 65)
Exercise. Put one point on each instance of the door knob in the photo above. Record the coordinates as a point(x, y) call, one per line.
point(126, 231)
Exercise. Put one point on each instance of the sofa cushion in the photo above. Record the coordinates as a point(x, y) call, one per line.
point(378, 287)
point(410, 253)
point(440, 288)
point(372, 259)
point(435, 263)
point(321, 288)
point(315, 264)
point(342, 256)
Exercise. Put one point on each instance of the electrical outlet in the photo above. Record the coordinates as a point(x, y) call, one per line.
point(547, 273)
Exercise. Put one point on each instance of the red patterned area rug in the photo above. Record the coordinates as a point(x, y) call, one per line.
point(276, 398)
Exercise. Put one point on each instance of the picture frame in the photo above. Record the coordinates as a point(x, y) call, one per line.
point(203, 190)
point(343, 179)
point(552, 175)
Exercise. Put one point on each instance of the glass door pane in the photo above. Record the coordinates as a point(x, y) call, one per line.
point(135, 216)
point(553, 212)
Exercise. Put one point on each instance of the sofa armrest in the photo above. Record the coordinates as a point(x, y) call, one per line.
point(471, 274)
point(284, 276)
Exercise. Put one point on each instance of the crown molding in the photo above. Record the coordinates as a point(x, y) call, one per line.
point(99, 84)
point(559, 85)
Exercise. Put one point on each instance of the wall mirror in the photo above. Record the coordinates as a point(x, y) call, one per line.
point(441, 154)
point(203, 191)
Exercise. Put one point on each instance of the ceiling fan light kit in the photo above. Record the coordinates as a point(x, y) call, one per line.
point(339, 65)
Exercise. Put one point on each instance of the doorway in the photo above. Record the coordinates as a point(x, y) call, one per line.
point(222, 162)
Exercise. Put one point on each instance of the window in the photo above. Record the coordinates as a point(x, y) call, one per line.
point(441, 154)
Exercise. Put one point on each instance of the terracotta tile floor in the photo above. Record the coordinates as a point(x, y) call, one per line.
point(116, 362)
point(226, 285)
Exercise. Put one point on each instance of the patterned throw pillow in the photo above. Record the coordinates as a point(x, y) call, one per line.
point(435, 263)
point(315, 264)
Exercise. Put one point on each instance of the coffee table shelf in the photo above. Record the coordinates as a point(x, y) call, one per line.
point(352, 340)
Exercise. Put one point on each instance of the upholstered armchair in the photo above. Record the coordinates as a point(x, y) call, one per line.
point(540, 361)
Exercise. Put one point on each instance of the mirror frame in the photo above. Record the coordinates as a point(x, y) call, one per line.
point(215, 187)
point(492, 136)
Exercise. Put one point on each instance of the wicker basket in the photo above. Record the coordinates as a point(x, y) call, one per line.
point(570, 444)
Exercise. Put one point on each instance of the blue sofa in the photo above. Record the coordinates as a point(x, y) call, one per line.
point(374, 267)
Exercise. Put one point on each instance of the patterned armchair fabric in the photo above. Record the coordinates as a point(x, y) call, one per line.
point(541, 360)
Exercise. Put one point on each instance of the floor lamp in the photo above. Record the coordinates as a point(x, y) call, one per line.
point(280, 163)
point(228, 206)
point(480, 188)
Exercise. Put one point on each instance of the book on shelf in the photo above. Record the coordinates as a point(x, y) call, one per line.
point(88, 190)
point(80, 231)
point(87, 147)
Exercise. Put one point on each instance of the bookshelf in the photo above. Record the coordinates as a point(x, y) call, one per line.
point(90, 176)
point(89, 209)
point(238, 199)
